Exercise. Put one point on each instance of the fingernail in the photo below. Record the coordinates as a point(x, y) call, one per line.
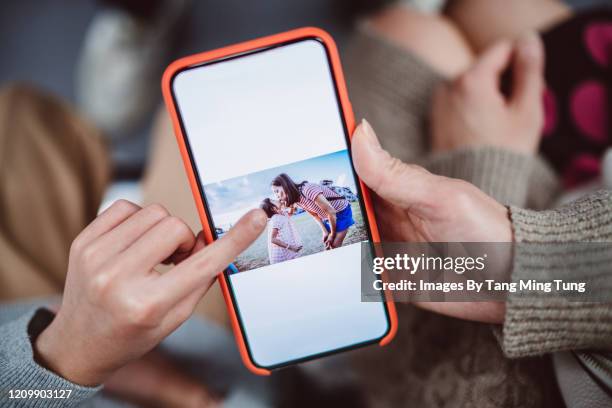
point(259, 219)
point(370, 134)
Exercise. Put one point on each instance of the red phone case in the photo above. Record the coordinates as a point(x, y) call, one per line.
point(347, 110)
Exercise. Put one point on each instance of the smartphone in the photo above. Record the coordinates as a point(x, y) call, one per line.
point(267, 123)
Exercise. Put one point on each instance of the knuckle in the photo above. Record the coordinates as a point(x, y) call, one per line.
point(99, 285)
point(205, 263)
point(463, 194)
point(385, 175)
point(158, 210)
point(394, 168)
point(89, 255)
point(393, 171)
point(177, 225)
point(140, 313)
point(415, 169)
point(398, 170)
point(203, 259)
point(124, 206)
point(77, 246)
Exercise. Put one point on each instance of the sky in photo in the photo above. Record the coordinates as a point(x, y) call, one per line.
point(228, 200)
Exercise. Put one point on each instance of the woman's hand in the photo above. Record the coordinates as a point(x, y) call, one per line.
point(420, 206)
point(116, 307)
point(295, 248)
point(324, 236)
point(329, 241)
point(473, 111)
point(330, 211)
point(415, 205)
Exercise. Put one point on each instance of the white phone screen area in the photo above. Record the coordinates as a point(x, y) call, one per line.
point(265, 130)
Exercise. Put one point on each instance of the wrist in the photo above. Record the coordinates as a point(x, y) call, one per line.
point(52, 351)
point(506, 226)
point(504, 259)
point(511, 226)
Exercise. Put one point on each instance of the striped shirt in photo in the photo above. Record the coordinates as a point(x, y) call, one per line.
point(310, 191)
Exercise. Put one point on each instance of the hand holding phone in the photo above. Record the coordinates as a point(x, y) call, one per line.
point(414, 206)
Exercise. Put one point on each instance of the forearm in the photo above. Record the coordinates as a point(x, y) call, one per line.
point(280, 243)
point(331, 218)
point(573, 243)
point(319, 223)
point(20, 370)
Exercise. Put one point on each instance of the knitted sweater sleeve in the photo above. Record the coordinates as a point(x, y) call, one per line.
point(20, 371)
point(573, 243)
point(504, 175)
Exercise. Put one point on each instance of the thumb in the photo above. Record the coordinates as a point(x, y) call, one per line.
point(528, 72)
point(179, 257)
point(399, 183)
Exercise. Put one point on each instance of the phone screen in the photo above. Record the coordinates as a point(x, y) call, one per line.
point(265, 129)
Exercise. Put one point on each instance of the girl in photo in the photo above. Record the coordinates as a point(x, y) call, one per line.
point(284, 242)
point(330, 210)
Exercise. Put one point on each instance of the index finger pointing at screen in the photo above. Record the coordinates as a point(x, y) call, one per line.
point(200, 269)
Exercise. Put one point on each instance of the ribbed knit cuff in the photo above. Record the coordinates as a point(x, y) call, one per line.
point(19, 370)
point(574, 244)
point(392, 88)
point(502, 174)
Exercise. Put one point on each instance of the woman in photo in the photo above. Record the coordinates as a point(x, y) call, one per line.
point(330, 210)
point(284, 242)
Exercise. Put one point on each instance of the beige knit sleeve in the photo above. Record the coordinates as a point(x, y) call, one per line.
point(511, 178)
point(574, 243)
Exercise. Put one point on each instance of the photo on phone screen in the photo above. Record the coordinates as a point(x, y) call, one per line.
point(298, 199)
point(265, 130)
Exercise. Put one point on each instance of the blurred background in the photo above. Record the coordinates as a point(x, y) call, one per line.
point(90, 52)
point(44, 42)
